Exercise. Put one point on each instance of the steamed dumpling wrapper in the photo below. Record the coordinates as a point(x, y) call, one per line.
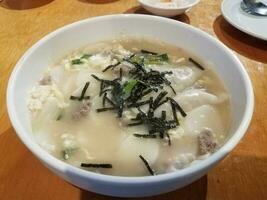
point(192, 98)
point(205, 116)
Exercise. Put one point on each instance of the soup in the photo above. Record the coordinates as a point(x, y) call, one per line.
point(130, 107)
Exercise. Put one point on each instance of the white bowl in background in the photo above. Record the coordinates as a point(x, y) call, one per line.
point(166, 11)
point(45, 52)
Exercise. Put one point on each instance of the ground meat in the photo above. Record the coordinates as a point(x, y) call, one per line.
point(207, 142)
point(82, 111)
point(46, 80)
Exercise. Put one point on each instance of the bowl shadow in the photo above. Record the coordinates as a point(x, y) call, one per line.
point(196, 190)
point(240, 42)
point(23, 4)
point(97, 1)
point(140, 10)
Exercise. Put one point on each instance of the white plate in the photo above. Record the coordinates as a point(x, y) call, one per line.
point(167, 11)
point(253, 25)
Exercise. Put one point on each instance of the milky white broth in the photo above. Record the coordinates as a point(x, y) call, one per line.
point(73, 131)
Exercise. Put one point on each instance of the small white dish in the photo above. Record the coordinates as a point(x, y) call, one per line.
point(253, 25)
point(167, 11)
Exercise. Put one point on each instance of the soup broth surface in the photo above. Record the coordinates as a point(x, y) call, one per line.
point(130, 107)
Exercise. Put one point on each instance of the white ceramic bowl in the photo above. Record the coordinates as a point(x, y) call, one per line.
point(167, 12)
point(45, 52)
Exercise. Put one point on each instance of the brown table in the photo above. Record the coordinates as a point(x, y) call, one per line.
point(242, 175)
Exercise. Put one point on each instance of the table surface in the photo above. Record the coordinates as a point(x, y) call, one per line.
point(241, 175)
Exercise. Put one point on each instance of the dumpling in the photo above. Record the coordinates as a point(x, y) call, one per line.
point(184, 76)
point(192, 98)
point(130, 150)
point(203, 117)
point(58, 76)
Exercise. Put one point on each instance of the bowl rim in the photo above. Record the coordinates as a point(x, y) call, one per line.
point(62, 166)
point(142, 2)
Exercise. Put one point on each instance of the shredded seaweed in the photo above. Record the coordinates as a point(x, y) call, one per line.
point(130, 94)
point(104, 109)
point(148, 52)
point(179, 108)
point(104, 100)
point(158, 99)
point(82, 96)
point(150, 170)
point(169, 139)
point(84, 91)
point(174, 113)
point(94, 165)
point(163, 115)
point(155, 124)
point(137, 64)
point(135, 124)
point(111, 66)
point(138, 104)
point(196, 64)
point(145, 135)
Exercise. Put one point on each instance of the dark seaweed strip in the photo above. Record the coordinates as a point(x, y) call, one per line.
point(161, 134)
point(174, 112)
point(148, 52)
point(106, 83)
point(135, 119)
point(172, 124)
point(104, 109)
point(172, 89)
point(104, 100)
point(101, 88)
point(169, 139)
point(138, 104)
point(132, 56)
point(178, 107)
point(138, 116)
point(120, 111)
point(135, 124)
point(145, 135)
point(74, 98)
point(162, 102)
point(146, 92)
point(151, 108)
point(196, 64)
point(78, 98)
point(104, 91)
point(163, 115)
point(82, 94)
point(159, 98)
point(147, 165)
point(94, 165)
point(120, 74)
point(111, 66)
point(136, 65)
point(111, 102)
point(95, 77)
point(84, 90)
